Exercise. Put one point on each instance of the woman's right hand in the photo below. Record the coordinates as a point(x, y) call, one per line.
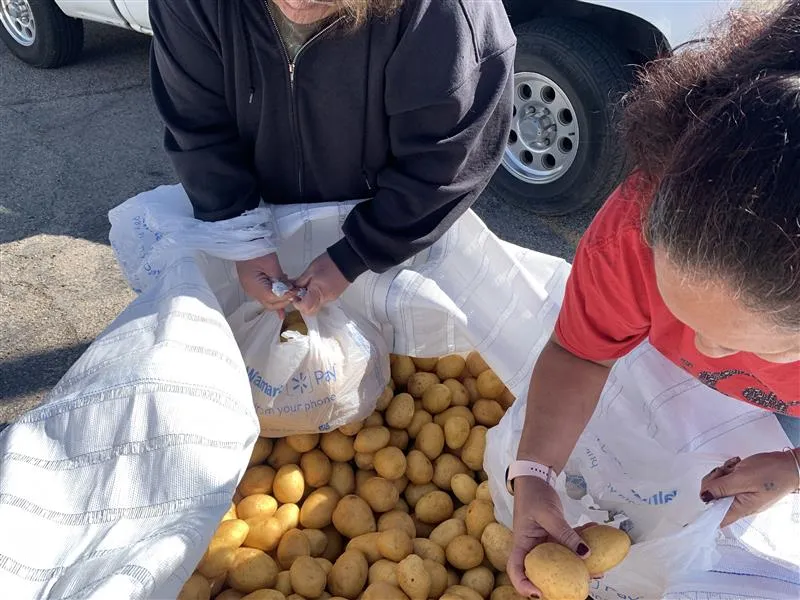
point(257, 276)
point(538, 518)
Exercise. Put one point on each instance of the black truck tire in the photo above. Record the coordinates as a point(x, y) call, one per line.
point(38, 33)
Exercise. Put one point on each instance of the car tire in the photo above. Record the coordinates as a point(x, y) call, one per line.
point(570, 62)
point(38, 33)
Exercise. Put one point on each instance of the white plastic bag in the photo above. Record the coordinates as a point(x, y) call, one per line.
point(311, 383)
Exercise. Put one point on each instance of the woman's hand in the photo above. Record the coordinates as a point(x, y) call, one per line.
point(538, 518)
point(755, 483)
point(323, 282)
point(257, 276)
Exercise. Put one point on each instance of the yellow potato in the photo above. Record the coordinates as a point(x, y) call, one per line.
point(390, 462)
point(455, 411)
point(502, 579)
point(293, 544)
point(380, 494)
point(352, 429)
point(352, 517)
point(288, 516)
point(428, 550)
point(381, 590)
point(419, 468)
point(489, 385)
point(430, 440)
point(479, 514)
point(487, 412)
point(456, 432)
point(371, 439)
point(461, 513)
point(402, 505)
point(252, 570)
point(458, 393)
point(349, 574)
point(217, 583)
point(413, 578)
point(265, 595)
point(446, 531)
point(216, 561)
point(419, 382)
point(367, 544)
point(471, 385)
point(374, 420)
point(365, 460)
point(337, 446)
point(343, 479)
point(257, 480)
point(434, 507)
point(231, 513)
point(402, 370)
point(283, 583)
point(264, 534)
point(450, 367)
point(282, 454)
point(303, 442)
point(465, 552)
point(383, 570)
point(557, 572)
point(473, 449)
point(398, 438)
point(480, 579)
point(400, 485)
point(420, 418)
point(460, 592)
point(482, 493)
point(400, 411)
point(445, 468)
point(425, 364)
point(609, 547)
point(257, 505)
point(506, 399)
point(475, 364)
point(307, 576)
point(437, 399)
point(453, 578)
point(316, 467)
point(464, 487)
point(317, 540)
point(437, 575)
point(261, 450)
point(230, 534)
point(413, 492)
point(196, 587)
point(230, 594)
point(397, 520)
point(363, 475)
point(497, 541)
point(394, 544)
point(289, 484)
point(505, 592)
point(385, 398)
point(335, 544)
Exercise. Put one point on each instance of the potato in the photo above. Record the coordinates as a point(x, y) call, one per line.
point(471, 385)
point(264, 534)
point(261, 450)
point(475, 364)
point(293, 544)
point(456, 432)
point(400, 484)
point(282, 454)
point(394, 544)
point(446, 531)
point(383, 570)
point(337, 446)
point(402, 370)
point(230, 534)
point(365, 460)
point(479, 514)
point(473, 449)
point(402, 505)
point(489, 385)
point(458, 393)
point(425, 364)
point(371, 439)
point(257, 480)
point(455, 411)
point(380, 590)
point(437, 399)
point(609, 547)
point(283, 583)
point(385, 398)
point(445, 467)
point(390, 462)
point(352, 517)
point(419, 382)
point(413, 578)
point(317, 540)
point(461, 513)
point(231, 513)
point(316, 467)
point(380, 494)
point(307, 577)
point(453, 577)
point(196, 587)
point(349, 574)
point(257, 505)
point(434, 507)
point(398, 438)
point(400, 411)
point(420, 418)
point(428, 550)
point(230, 594)
point(217, 583)
point(326, 565)
point(374, 420)
point(505, 592)
point(264, 595)
point(506, 399)
point(557, 572)
point(413, 492)
point(343, 479)
point(497, 541)
point(216, 561)
point(482, 493)
point(423, 529)
point(397, 520)
point(464, 487)
point(252, 570)
point(362, 476)
point(367, 544)
point(450, 367)
point(502, 579)
point(480, 579)
point(419, 468)
point(430, 440)
point(335, 544)
point(460, 592)
point(352, 429)
point(288, 516)
point(487, 412)
point(437, 575)
point(302, 442)
point(465, 552)
point(289, 484)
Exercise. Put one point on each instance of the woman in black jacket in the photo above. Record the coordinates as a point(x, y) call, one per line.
point(407, 103)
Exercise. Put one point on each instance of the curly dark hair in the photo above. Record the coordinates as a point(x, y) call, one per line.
point(715, 132)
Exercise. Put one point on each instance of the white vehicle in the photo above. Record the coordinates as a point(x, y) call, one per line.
point(574, 59)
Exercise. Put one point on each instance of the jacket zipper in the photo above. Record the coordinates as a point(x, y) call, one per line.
point(291, 66)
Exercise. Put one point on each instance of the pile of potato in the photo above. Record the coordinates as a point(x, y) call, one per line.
point(394, 507)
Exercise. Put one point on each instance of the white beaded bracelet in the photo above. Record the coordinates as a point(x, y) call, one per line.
point(797, 464)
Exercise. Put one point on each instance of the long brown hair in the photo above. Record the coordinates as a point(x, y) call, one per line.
point(358, 12)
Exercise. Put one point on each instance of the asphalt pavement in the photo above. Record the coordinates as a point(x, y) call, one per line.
point(74, 143)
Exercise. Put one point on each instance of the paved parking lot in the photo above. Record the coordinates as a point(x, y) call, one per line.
point(75, 143)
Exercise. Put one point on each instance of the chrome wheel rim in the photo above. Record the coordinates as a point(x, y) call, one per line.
point(17, 19)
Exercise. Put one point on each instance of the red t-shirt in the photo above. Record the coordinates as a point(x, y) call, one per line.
point(612, 304)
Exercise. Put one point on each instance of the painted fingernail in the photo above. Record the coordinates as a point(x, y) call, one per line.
point(583, 550)
point(706, 497)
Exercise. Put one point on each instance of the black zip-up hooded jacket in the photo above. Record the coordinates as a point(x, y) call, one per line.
point(412, 111)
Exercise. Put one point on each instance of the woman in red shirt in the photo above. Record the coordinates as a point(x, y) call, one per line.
point(699, 253)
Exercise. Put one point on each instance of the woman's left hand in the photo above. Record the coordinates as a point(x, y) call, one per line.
point(323, 282)
point(755, 483)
